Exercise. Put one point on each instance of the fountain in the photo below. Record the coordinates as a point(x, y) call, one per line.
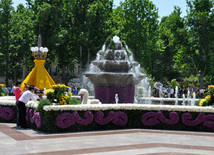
point(114, 72)
point(188, 97)
point(176, 95)
point(193, 100)
point(161, 95)
point(116, 98)
point(183, 103)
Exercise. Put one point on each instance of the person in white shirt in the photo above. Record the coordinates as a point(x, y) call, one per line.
point(172, 92)
point(21, 108)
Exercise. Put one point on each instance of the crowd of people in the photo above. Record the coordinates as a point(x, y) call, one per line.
point(170, 92)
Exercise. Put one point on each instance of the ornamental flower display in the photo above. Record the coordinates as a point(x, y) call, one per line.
point(58, 94)
point(209, 97)
point(2, 91)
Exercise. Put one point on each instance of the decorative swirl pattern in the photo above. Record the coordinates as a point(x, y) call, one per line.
point(119, 118)
point(154, 118)
point(208, 120)
point(34, 117)
point(66, 120)
point(6, 113)
point(27, 114)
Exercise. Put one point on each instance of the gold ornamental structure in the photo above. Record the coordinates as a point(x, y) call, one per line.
point(39, 76)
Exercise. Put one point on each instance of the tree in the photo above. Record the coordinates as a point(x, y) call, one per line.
point(21, 39)
point(5, 23)
point(91, 18)
point(170, 33)
point(140, 30)
point(196, 54)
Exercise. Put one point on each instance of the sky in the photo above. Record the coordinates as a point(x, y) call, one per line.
point(165, 7)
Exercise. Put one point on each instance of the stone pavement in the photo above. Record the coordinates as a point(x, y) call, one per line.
point(15, 141)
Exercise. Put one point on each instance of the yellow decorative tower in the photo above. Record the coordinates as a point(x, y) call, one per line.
point(39, 76)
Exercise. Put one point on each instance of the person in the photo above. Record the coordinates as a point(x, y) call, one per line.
point(18, 91)
point(38, 93)
point(154, 92)
point(201, 93)
point(26, 96)
point(69, 89)
point(74, 90)
point(26, 87)
point(172, 92)
point(9, 90)
point(13, 87)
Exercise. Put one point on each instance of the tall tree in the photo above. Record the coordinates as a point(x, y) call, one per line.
point(170, 31)
point(197, 53)
point(21, 38)
point(5, 22)
point(91, 18)
point(140, 18)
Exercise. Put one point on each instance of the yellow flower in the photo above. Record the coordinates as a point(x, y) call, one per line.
point(211, 86)
point(2, 85)
point(60, 102)
point(69, 94)
point(49, 91)
point(208, 97)
point(202, 102)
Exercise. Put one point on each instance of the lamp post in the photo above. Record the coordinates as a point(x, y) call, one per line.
point(39, 53)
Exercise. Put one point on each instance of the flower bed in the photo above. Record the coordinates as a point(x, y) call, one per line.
point(72, 118)
point(8, 109)
point(209, 99)
point(3, 90)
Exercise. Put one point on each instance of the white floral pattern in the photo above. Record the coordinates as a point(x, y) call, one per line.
point(148, 107)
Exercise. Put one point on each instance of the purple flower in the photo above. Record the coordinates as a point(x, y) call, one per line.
point(208, 120)
point(34, 117)
point(66, 120)
point(38, 119)
point(27, 114)
point(154, 118)
point(119, 118)
point(6, 113)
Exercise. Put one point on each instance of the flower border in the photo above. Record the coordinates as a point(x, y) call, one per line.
point(148, 107)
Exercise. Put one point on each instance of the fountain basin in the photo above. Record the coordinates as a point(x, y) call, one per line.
point(108, 84)
point(107, 94)
point(114, 79)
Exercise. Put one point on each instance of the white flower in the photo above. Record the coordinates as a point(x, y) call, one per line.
point(83, 107)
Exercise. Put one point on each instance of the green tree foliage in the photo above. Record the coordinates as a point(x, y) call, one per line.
point(91, 20)
point(196, 54)
point(173, 83)
point(5, 27)
point(140, 30)
point(174, 48)
point(191, 81)
point(171, 34)
point(21, 39)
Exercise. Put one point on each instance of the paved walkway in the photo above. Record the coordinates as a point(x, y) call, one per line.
point(14, 141)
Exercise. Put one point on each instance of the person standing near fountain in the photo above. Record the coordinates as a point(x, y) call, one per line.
point(21, 108)
point(18, 91)
point(172, 92)
point(168, 91)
